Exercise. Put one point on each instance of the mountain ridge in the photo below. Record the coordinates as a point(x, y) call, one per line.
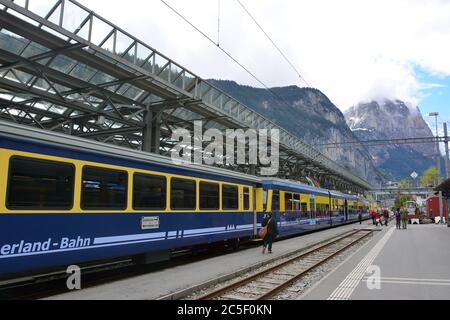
point(393, 119)
point(310, 115)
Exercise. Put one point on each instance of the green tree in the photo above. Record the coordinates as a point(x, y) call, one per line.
point(404, 184)
point(400, 200)
point(430, 177)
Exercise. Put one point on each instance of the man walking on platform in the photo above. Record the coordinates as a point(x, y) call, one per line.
point(398, 218)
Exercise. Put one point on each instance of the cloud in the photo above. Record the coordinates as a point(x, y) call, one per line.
point(352, 50)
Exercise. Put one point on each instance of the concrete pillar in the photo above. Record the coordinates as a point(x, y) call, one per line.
point(151, 133)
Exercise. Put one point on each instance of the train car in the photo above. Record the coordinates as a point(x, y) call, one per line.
point(432, 207)
point(300, 208)
point(67, 200)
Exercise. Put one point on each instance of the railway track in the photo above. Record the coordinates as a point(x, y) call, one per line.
point(270, 282)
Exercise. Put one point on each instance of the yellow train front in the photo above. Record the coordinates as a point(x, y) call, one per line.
point(66, 201)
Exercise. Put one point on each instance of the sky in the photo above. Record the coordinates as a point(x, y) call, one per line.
point(352, 50)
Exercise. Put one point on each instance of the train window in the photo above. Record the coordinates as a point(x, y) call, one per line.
point(288, 201)
point(276, 200)
point(296, 202)
point(183, 194)
point(209, 196)
point(104, 189)
point(40, 185)
point(265, 193)
point(304, 207)
point(246, 198)
point(149, 192)
point(230, 197)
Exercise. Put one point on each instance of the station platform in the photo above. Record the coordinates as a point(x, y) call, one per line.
point(171, 281)
point(412, 264)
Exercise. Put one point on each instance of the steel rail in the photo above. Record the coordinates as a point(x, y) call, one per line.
point(240, 283)
point(286, 284)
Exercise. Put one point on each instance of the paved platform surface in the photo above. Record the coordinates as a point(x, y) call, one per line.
point(164, 282)
point(394, 265)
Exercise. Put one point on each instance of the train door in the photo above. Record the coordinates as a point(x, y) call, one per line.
point(312, 200)
point(346, 210)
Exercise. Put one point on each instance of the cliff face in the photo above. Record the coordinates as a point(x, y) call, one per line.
point(310, 115)
point(393, 120)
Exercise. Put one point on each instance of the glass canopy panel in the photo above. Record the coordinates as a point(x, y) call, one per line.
point(57, 109)
point(22, 76)
point(83, 72)
point(63, 64)
point(12, 42)
point(34, 49)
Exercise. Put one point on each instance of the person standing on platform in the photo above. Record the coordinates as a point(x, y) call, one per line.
point(404, 219)
point(272, 232)
point(398, 218)
point(373, 215)
point(386, 217)
point(360, 216)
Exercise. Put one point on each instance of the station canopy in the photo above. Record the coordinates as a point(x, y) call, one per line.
point(64, 68)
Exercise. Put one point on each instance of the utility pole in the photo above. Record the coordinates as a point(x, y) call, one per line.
point(438, 156)
point(447, 165)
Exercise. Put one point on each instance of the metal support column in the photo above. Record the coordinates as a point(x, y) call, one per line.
point(441, 207)
point(447, 165)
point(438, 153)
point(151, 134)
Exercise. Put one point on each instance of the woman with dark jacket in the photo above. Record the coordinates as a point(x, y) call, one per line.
point(272, 232)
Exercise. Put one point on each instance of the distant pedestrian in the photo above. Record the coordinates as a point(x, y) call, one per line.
point(379, 218)
point(272, 232)
point(404, 214)
point(360, 217)
point(398, 218)
point(386, 216)
point(373, 215)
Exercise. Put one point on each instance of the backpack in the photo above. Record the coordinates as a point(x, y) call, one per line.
point(263, 231)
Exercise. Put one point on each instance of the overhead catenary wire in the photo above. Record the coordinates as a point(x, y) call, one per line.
point(273, 43)
point(218, 23)
point(227, 54)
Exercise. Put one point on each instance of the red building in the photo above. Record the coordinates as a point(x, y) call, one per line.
point(433, 206)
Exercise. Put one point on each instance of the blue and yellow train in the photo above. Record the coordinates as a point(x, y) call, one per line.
point(65, 200)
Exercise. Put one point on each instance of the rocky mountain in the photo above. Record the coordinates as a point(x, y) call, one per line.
point(310, 115)
point(393, 120)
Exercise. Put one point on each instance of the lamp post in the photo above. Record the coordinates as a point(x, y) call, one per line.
point(438, 157)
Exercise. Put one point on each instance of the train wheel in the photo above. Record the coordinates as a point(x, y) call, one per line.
point(236, 244)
